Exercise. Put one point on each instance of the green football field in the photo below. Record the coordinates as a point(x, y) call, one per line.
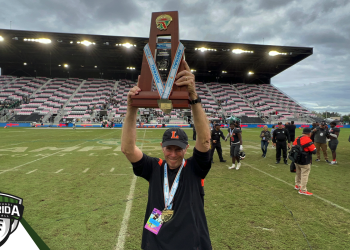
point(79, 192)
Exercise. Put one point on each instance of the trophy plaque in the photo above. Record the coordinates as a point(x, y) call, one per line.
point(162, 60)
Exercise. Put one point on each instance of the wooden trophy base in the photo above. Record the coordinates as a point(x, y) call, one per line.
point(148, 99)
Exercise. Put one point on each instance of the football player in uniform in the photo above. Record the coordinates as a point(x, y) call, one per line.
point(235, 135)
point(333, 143)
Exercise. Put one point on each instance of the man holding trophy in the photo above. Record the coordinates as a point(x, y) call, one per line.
point(175, 217)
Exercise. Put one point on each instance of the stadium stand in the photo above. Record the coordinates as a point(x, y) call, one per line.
point(90, 95)
point(77, 98)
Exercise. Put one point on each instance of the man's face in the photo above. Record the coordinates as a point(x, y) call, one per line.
point(217, 128)
point(280, 126)
point(332, 125)
point(232, 126)
point(173, 155)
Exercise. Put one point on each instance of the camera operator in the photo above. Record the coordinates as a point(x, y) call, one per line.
point(303, 166)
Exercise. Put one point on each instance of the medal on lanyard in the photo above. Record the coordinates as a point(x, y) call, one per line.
point(167, 213)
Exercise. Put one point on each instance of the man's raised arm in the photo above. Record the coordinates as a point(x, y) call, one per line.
point(128, 145)
point(186, 78)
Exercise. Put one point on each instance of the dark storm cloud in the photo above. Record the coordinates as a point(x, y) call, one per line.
point(321, 24)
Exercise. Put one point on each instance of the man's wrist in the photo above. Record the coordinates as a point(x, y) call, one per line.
point(194, 96)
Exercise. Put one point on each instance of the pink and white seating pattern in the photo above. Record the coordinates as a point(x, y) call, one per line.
point(93, 92)
point(24, 86)
point(52, 96)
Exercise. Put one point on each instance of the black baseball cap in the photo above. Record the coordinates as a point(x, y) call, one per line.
point(176, 137)
point(306, 130)
point(323, 123)
point(217, 124)
point(279, 123)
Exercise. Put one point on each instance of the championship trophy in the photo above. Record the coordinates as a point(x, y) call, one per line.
point(162, 60)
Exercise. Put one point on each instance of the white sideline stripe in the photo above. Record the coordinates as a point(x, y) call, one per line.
point(58, 171)
point(112, 170)
point(124, 226)
point(271, 166)
point(4, 171)
point(292, 185)
point(32, 171)
point(86, 170)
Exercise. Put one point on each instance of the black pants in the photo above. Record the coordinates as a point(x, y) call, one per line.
point(292, 138)
point(218, 148)
point(281, 145)
point(194, 134)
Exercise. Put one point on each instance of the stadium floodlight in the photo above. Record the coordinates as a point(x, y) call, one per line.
point(1, 39)
point(71, 42)
point(250, 73)
point(24, 63)
point(202, 49)
point(95, 66)
point(241, 51)
point(65, 65)
point(86, 43)
point(193, 70)
point(59, 65)
point(43, 40)
point(275, 53)
point(38, 40)
point(131, 68)
point(224, 72)
point(126, 45)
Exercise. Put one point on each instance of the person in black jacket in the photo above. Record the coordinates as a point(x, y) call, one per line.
point(265, 136)
point(194, 132)
point(279, 138)
point(291, 130)
point(216, 133)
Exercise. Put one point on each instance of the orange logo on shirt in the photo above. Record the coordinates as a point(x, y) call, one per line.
point(173, 135)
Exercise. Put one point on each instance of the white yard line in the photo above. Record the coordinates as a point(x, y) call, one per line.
point(112, 170)
point(124, 225)
point(58, 171)
point(86, 170)
point(11, 144)
point(271, 166)
point(292, 185)
point(32, 171)
point(11, 169)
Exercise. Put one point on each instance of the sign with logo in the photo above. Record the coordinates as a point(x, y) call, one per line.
point(11, 211)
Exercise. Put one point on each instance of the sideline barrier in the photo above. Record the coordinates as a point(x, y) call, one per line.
point(89, 125)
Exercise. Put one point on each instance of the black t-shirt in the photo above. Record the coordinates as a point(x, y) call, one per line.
point(291, 129)
point(332, 131)
point(234, 135)
point(188, 228)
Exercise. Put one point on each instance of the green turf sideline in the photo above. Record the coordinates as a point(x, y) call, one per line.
point(124, 227)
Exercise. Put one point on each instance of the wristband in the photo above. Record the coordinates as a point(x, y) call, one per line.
point(198, 100)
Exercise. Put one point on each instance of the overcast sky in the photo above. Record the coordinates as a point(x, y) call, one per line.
point(320, 82)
